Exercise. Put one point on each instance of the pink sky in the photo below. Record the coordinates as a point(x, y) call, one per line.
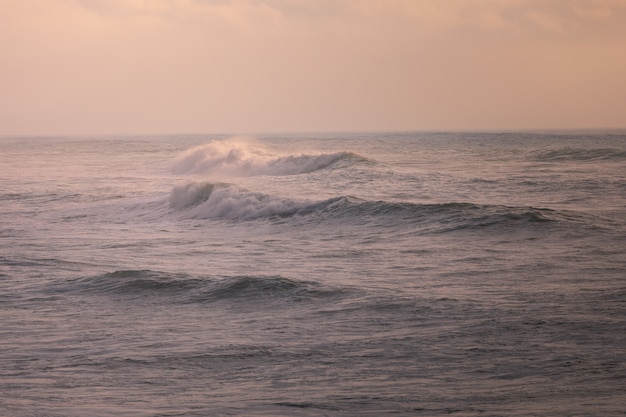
point(254, 66)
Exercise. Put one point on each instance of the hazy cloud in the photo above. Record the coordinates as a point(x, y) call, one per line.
point(254, 65)
point(521, 17)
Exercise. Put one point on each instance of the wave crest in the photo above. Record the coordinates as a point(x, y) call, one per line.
point(241, 157)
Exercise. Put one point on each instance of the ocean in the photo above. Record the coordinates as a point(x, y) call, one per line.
point(426, 274)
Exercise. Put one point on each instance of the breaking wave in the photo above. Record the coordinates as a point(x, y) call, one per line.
point(227, 201)
point(240, 157)
point(219, 200)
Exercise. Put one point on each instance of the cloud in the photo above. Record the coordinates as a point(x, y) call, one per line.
point(545, 21)
point(426, 16)
point(254, 65)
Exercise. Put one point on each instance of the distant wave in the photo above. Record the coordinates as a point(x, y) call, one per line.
point(574, 154)
point(243, 157)
point(226, 201)
point(183, 288)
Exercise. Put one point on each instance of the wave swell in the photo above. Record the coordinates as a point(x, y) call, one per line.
point(147, 284)
point(240, 157)
point(442, 217)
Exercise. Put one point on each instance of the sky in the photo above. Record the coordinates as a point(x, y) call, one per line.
point(261, 66)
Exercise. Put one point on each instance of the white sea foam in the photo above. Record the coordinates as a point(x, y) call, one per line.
point(240, 156)
point(209, 200)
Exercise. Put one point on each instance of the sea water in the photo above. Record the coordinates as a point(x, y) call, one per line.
point(467, 274)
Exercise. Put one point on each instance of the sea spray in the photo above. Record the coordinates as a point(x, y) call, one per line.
point(240, 157)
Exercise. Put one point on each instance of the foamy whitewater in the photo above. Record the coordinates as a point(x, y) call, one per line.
point(429, 274)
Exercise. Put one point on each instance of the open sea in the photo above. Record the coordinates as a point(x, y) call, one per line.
point(422, 274)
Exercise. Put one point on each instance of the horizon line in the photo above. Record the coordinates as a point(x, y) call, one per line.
point(326, 132)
